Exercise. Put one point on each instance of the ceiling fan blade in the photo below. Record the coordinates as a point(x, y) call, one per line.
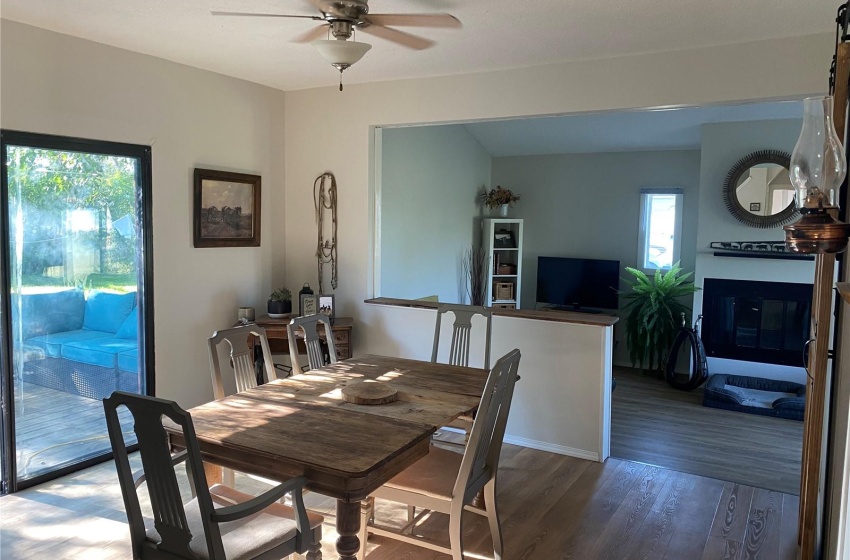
point(415, 20)
point(396, 36)
point(262, 15)
point(318, 32)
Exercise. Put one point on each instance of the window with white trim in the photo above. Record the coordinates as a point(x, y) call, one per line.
point(660, 236)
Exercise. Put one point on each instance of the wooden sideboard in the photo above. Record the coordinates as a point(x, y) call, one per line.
point(279, 340)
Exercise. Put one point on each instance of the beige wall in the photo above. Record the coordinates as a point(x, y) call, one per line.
point(57, 84)
point(330, 131)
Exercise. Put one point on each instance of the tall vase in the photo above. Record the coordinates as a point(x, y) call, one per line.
point(503, 210)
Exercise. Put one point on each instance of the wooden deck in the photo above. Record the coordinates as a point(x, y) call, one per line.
point(55, 429)
point(552, 507)
point(653, 423)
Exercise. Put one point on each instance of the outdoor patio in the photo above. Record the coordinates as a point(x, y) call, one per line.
point(54, 429)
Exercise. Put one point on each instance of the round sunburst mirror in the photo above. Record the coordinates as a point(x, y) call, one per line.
point(758, 191)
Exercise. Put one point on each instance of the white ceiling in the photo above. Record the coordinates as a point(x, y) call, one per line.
point(622, 131)
point(496, 34)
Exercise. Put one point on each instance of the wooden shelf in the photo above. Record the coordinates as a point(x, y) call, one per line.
point(764, 255)
point(504, 276)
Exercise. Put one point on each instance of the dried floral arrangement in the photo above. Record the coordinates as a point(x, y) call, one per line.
point(497, 197)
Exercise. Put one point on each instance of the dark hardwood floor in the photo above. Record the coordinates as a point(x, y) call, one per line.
point(653, 423)
point(552, 507)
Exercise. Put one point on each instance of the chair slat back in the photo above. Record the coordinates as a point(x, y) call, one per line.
point(241, 356)
point(166, 503)
point(461, 333)
point(312, 341)
point(481, 458)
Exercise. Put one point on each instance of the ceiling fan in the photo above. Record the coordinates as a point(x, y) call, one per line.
point(341, 17)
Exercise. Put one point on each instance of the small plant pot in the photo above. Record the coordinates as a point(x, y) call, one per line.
point(279, 308)
point(503, 210)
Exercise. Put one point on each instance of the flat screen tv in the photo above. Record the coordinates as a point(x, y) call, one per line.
point(579, 284)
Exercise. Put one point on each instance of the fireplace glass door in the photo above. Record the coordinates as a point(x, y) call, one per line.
point(766, 322)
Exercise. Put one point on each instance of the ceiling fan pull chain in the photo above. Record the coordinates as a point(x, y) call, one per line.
point(340, 80)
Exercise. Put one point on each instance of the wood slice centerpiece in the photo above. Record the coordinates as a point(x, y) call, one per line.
point(369, 392)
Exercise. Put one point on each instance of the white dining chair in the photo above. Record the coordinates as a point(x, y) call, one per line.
point(312, 342)
point(241, 356)
point(242, 359)
point(447, 482)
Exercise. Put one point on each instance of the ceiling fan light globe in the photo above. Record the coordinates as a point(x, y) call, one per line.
point(341, 54)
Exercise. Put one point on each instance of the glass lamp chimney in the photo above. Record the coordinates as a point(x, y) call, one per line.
point(818, 165)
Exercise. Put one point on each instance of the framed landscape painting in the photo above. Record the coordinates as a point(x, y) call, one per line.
point(226, 209)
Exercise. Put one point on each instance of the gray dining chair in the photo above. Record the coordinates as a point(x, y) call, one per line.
point(461, 333)
point(219, 523)
point(312, 342)
point(241, 356)
point(459, 347)
point(448, 482)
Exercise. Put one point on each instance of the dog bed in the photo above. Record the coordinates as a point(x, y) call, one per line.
point(756, 395)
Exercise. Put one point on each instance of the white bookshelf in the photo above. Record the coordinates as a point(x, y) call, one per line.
point(494, 234)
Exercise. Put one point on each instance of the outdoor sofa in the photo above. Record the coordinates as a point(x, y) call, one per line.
point(83, 343)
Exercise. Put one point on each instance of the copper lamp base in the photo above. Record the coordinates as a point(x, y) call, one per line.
point(817, 232)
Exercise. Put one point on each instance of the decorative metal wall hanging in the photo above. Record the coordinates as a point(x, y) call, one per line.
point(324, 198)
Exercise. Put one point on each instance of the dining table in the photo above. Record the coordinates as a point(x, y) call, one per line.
point(303, 426)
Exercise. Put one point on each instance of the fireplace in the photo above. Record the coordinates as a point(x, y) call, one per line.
point(765, 322)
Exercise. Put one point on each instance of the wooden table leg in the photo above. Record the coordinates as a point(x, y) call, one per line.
point(348, 526)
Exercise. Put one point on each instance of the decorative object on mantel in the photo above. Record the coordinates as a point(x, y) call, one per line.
point(818, 167)
point(369, 393)
point(474, 274)
point(756, 250)
point(226, 208)
point(758, 191)
point(280, 303)
point(324, 198)
point(654, 314)
point(499, 198)
point(751, 246)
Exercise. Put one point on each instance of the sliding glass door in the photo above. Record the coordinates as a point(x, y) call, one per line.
point(76, 291)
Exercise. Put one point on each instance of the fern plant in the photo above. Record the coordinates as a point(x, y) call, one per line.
point(654, 314)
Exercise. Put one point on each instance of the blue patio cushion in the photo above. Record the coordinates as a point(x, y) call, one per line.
point(129, 361)
point(101, 352)
point(106, 311)
point(129, 329)
point(52, 343)
point(48, 313)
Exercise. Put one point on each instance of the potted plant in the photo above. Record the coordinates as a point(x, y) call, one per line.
point(654, 314)
point(280, 302)
point(499, 198)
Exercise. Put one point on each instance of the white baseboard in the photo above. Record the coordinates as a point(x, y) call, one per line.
point(552, 448)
